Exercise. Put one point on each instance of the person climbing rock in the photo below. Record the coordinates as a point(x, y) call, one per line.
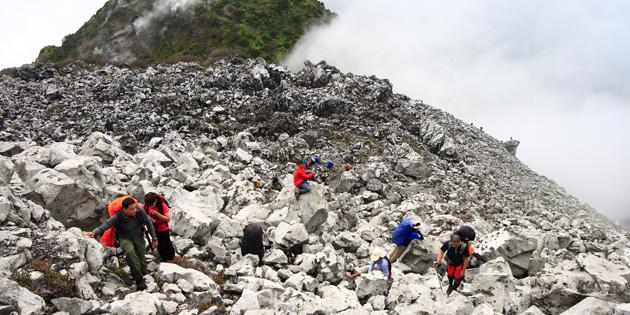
point(252, 241)
point(157, 208)
point(379, 262)
point(129, 223)
point(406, 232)
point(456, 254)
point(300, 179)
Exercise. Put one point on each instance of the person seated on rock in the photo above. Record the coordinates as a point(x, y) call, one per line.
point(300, 179)
point(129, 223)
point(252, 241)
point(157, 208)
point(379, 262)
point(456, 254)
point(406, 232)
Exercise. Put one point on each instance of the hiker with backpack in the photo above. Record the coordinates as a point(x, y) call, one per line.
point(129, 222)
point(379, 261)
point(406, 232)
point(457, 255)
point(300, 179)
point(157, 208)
point(252, 241)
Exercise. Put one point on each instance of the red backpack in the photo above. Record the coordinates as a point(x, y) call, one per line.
point(109, 236)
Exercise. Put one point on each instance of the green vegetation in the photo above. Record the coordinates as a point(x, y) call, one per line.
point(50, 286)
point(203, 31)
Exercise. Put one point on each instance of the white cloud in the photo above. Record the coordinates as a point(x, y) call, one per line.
point(28, 26)
point(160, 8)
point(554, 74)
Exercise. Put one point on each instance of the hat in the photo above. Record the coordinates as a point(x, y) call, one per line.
point(377, 253)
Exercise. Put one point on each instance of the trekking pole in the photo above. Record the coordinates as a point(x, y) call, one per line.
point(439, 279)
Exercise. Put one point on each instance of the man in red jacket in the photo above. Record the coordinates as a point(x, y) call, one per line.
point(300, 177)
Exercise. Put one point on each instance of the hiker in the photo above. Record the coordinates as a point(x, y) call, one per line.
point(379, 262)
point(157, 208)
point(468, 235)
point(128, 223)
point(406, 232)
point(300, 179)
point(456, 254)
point(252, 241)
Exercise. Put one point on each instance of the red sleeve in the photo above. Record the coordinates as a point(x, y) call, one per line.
point(309, 175)
point(165, 209)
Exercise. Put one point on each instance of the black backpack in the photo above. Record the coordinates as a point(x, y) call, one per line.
point(466, 233)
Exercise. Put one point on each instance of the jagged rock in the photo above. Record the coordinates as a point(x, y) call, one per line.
point(10, 149)
point(515, 247)
point(484, 309)
point(312, 208)
point(421, 254)
point(103, 146)
point(9, 264)
point(138, 303)
point(74, 306)
point(622, 309)
point(612, 279)
point(372, 284)
point(60, 152)
point(173, 273)
point(275, 257)
point(247, 302)
point(290, 234)
point(329, 266)
point(195, 213)
point(186, 286)
point(25, 301)
point(511, 146)
point(495, 282)
point(68, 202)
point(533, 310)
point(591, 305)
point(6, 170)
point(85, 170)
point(340, 299)
point(243, 156)
point(348, 240)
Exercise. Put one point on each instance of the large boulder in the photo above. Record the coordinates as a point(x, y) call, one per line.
point(247, 302)
point(68, 202)
point(340, 299)
point(25, 301)
point(513, 245)
point(591, 305)
point(329, 266)
point(6, 170)
point(312, 208)
point(103, 146)
point(289, 235)
point(9, 264)
point(85, 170)
point(494, 282)
point(195, 214)
point(173, 273)
point(421, 254)
point(138, 303)
point(372, 284)
point(74, 306)
point(61, 151)
point(612, 279)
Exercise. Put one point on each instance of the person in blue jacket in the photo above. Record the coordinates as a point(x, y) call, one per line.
point(406, 232)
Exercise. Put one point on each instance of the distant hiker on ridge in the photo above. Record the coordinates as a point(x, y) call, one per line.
point(406, 232)
point(300, 179)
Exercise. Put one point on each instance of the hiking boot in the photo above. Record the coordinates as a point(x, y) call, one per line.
point(449, 291)
point(141, 285)
point(297, 196)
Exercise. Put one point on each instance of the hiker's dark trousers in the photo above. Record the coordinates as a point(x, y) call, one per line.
point(135, 255)
point(165, 246)
point(304, 188)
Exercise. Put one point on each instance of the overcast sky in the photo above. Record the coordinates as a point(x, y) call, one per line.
point(26, 26)
point(553, 74)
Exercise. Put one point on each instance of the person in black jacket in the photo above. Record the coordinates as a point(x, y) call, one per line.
point(129, 222)
point(252, 242)
point(456, 254)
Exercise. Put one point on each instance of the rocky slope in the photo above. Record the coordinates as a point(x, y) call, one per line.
point(77, 136)
point(147, 31)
